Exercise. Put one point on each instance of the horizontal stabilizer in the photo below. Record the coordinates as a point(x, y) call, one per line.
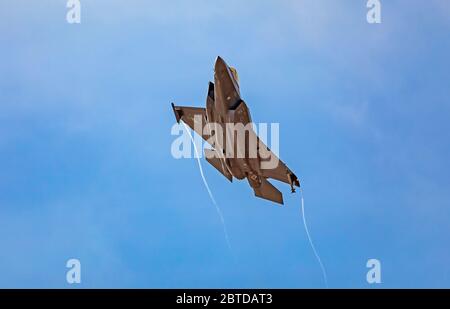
point(269, 192)
point(217, 163)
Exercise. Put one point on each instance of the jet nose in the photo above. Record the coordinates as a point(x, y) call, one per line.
point(220, 64)
point(219, 59)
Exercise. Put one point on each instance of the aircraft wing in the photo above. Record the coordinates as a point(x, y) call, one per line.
point(276, 171)
point(188, 115)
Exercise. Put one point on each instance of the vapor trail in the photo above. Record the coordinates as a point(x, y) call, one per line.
point(324, 273)
point(219, 212)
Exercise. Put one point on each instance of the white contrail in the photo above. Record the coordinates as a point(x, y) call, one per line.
point(219, 212)
point(311, 242)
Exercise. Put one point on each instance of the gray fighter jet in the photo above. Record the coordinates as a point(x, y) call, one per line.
point(225, 107)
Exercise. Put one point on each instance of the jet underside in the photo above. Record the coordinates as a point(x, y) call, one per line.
point(230, 155)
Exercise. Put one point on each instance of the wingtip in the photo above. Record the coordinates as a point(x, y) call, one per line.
point(295, 180)
point(177, 114)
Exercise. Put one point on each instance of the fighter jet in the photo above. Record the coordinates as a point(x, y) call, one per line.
point(225, 107)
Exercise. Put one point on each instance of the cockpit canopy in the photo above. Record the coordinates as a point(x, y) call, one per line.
point(235, 74)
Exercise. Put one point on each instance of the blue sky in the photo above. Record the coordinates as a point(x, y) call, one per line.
point(86, 170)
